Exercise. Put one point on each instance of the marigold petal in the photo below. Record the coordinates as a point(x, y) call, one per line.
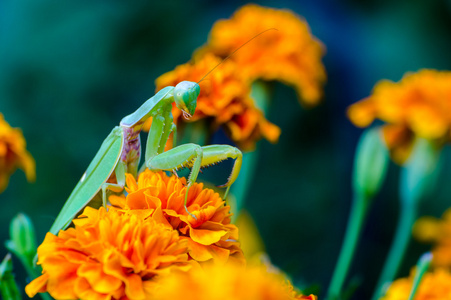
point(362, 113)
point(98, 280)
point(60, 284)
point(117, 201)
point(206, 236)
point(270, 131)
point(427, 122)
point(203, 253)
point(29, 166)
point(83, 290)
point(39, 285)
point(137, 199)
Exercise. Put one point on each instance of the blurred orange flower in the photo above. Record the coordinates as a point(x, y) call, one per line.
point(224, 100)
point(210, 237)
point(226, 282)
point(434, 285)
point(418, 105)
point(432, 230)
point(108, 255)
point(13, 154)
point(289, 54)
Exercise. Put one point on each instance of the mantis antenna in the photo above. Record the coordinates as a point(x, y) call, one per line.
point(228, 56)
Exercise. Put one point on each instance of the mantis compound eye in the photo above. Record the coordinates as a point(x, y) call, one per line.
point(185, 96)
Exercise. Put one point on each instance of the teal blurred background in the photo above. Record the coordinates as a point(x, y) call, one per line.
point(70, 70)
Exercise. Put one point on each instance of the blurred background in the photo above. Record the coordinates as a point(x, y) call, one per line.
point(70, 70)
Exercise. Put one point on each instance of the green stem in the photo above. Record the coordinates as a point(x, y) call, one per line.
point(353, 231)
point(194, 132)
point(261, 94)
point(241, 187)
point(398, 248)
point(418, 176)
point(422, 267)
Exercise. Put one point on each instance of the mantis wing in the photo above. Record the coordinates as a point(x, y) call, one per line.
point(98, 172)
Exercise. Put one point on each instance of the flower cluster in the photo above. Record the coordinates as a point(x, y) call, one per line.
point(146, 246)
point(429, 229)
point(289, 54)
point(210, 236)
point(117, 253)
point(435, 285)
point(13, 154)
point(418, 105)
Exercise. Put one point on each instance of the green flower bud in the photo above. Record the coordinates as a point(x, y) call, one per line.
point(23, 240)
point(420, 172)
point(371, 161)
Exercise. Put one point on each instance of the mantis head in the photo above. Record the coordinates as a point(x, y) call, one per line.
point(185, 97)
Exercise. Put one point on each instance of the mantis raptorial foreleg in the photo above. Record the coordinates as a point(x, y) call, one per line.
point(196, 157)
point(174, 135)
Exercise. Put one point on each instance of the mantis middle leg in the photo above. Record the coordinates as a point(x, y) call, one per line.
point(117, 187)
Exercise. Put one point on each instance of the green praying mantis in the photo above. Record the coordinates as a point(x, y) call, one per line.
point(121, 150)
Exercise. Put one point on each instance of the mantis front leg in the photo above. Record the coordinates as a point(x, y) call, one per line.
point(195, 157)
point(162, 126)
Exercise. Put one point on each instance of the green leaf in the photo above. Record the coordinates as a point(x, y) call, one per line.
point(8, 286)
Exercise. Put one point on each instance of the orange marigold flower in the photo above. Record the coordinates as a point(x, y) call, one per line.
point(210, 237)
point(13, 154)
point(434, 285)
point(418, 105)
point(289, 54)
point(224, 283)
point(107, 255)
point(429, 229)
point(224, 100)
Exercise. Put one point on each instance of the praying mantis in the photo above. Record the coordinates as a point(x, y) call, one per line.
point(121, 150)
